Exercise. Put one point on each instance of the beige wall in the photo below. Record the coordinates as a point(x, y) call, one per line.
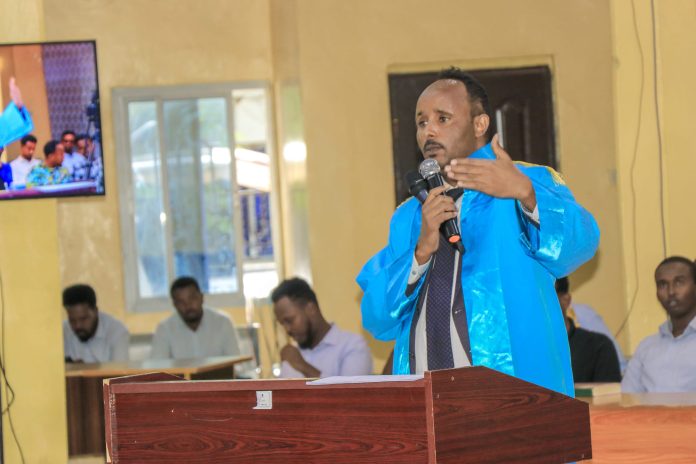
point(346, 51)
point(158, 42)
point(638, 145)
point(292, 172)
point(335, 75)
point(342, 82)
point(31, 300)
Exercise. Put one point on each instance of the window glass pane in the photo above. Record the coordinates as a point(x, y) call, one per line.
point(147, 199)
point(197, 165)
point(198, 160)
point(254, 185)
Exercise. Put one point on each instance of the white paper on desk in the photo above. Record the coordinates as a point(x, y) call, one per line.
point(338, 380)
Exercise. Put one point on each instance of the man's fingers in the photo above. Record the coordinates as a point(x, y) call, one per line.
point(439, 203)
point(434, 193)
point(15, 94)
point(469, 170)
point(468, 163)
point(500, 153)
point(439, 209)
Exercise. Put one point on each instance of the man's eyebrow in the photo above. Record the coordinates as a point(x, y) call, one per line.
point(447, 113)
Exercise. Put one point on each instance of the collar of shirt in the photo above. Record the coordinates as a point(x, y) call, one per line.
point(666, 329)
point(332, 337)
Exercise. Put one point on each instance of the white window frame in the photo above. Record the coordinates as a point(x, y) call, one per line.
point(121, 98)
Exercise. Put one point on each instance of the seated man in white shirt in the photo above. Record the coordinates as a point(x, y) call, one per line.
point(25, 161)
point(324, 349)
point(665, 362)
point(89, 335)
point(194, 331)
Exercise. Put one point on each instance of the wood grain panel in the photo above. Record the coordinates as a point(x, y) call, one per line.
point(85, 398)
point(376, 425)
point(643, 434)
point(85, 416)
point(483, 415)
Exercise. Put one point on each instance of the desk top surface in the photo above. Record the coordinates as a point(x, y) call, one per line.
point(168, 366)
point(627, 400)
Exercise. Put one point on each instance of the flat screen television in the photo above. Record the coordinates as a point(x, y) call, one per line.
point(50, 120)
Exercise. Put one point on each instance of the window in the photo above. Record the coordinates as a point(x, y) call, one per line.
point(195, 185)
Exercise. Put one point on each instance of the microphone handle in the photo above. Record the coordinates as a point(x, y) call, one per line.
point(449, 229)
point(435, 180)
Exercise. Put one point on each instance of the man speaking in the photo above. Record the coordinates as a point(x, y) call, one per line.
point(494, 304)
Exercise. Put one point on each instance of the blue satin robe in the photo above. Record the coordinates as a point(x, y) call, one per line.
point(15, 123)
point(508, 272)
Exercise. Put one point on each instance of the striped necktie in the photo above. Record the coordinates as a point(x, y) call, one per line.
point(444, 297)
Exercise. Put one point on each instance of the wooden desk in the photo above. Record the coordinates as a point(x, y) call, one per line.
point(84, 391)
point(643, 428)
point(471, 414)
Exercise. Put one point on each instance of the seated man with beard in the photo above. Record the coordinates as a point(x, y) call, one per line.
point(323, 349)
point(194, 331)
point(89, 335)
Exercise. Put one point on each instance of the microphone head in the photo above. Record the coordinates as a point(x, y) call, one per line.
point(428, 168)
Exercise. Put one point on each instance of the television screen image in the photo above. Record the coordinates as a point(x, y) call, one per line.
point(50, 121)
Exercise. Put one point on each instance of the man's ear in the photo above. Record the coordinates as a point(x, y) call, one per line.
point(481, 123)
point(311, 308)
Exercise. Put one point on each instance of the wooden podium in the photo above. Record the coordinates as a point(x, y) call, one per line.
point(471, 415)
point(84, 391)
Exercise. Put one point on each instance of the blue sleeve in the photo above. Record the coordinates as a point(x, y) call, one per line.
point(567, 234)
point(384, 278)
point(15, 123)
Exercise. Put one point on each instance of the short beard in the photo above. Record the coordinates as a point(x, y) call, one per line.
point(196, 317)
point(309, 339)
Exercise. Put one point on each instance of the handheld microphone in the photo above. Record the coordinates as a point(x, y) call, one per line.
point(430, 171)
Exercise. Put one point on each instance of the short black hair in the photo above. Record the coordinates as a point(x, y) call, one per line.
point(50, 147)
point(79, 294)
point(679, 259)
point(477, 92)
point(562, 285)
point(68, 132)
point(295, 289)
point(27, 138)
point(82, 137)
point(183, 282)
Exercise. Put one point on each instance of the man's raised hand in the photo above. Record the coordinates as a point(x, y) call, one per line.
point(498, 178)
point(15, 94)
